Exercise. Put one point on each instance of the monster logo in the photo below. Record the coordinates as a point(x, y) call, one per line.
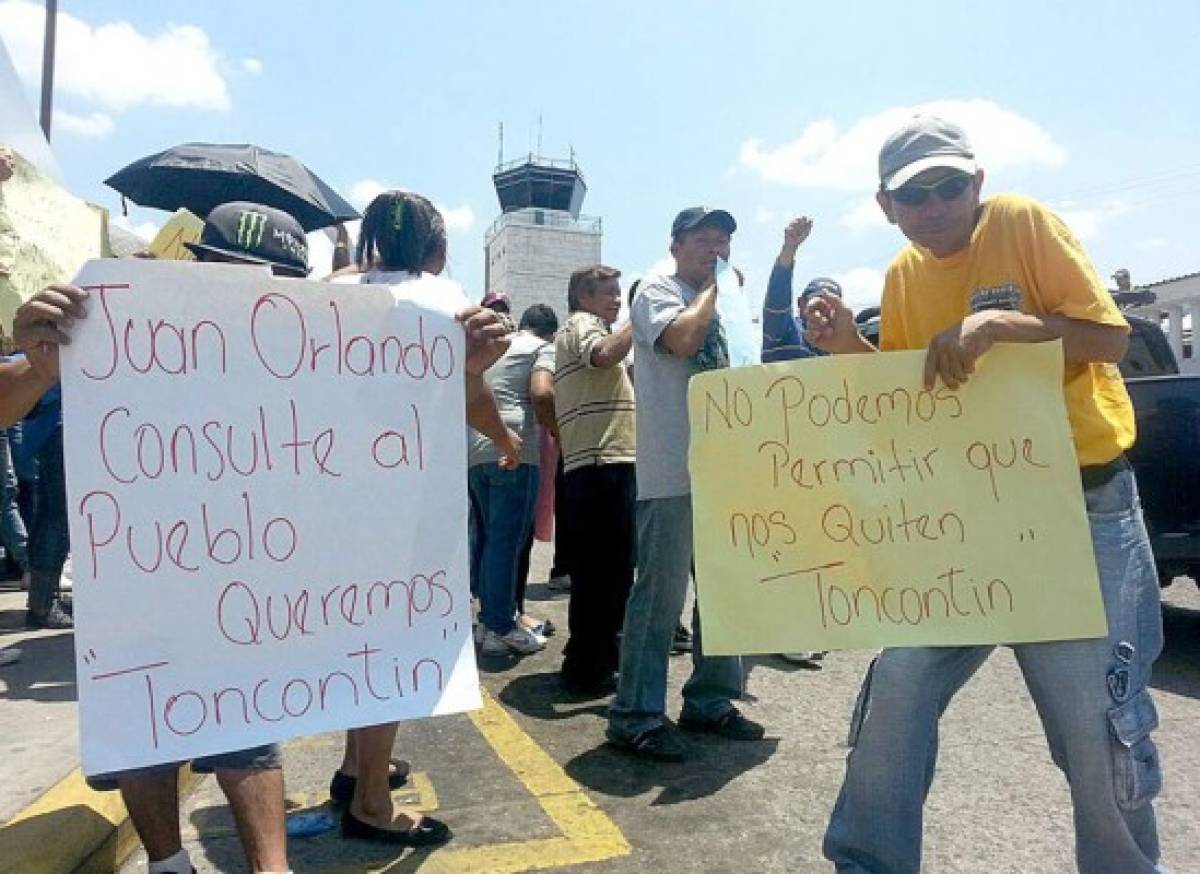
point(250, 228)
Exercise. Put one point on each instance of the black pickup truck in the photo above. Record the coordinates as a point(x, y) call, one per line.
point(1166, 457)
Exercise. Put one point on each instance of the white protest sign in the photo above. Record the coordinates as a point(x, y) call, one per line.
point(267, 499)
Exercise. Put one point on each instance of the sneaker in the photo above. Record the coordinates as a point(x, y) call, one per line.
point(55, 618)
point(682, 641)
point(560, 583)
point(659, 744)
point(518, 640)
point(541, 627)
point(732, 726)
point(803, 657)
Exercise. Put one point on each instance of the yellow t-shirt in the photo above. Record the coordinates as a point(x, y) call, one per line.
point(1021, 257)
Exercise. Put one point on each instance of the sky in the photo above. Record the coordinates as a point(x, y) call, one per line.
point(767, 109)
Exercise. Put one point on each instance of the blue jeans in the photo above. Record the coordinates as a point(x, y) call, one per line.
point(664, 553)
point(502, 504)
point(12, 526)
point(1091, 696)
point(49, 540)
point(26, 470)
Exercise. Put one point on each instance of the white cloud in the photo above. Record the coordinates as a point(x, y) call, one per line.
point(457, 218)
point(1085, 222)
point(763, 216)
point(861, 287)
point(97, 124)
point(364, 191)
point(114, 65)
point(253, 66)
point(865, 216)
point(146, 230)
point(827, 157)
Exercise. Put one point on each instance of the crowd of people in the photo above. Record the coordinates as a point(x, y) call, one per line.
point(597, 412)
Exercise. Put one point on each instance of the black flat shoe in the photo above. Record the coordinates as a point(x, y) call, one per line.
point(341, 787)
point(429, 832)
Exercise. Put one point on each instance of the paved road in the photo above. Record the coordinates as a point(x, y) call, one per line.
point(529, 785)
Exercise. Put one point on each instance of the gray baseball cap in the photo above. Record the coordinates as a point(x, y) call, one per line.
point(924, 142)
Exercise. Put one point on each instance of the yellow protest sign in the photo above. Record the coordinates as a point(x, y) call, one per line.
point(182, 227)
point(840, 505)
point(46, 234)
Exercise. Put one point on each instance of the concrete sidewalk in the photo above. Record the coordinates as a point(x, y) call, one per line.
point(527, 783)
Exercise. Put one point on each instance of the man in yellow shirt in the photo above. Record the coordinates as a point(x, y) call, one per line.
point(978, 273)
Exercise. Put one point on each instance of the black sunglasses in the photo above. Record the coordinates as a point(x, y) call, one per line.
point(950, 188)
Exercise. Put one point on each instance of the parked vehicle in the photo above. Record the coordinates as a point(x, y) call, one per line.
point(1166, 457)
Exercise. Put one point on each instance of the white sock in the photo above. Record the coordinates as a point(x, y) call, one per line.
point(180, 863)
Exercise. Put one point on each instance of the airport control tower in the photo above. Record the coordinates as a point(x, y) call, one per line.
point(540, 238)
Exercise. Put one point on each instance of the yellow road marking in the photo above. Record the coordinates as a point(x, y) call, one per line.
point(69, 823)
point(588, 835)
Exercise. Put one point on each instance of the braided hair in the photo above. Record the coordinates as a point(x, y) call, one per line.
point(400, 231)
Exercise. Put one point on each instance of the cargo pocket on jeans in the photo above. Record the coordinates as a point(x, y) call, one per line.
point(1137, 774)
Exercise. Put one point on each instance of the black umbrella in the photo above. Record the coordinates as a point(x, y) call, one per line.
point(200, 176)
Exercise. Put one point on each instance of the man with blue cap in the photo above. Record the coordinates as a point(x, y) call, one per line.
point(677, 334)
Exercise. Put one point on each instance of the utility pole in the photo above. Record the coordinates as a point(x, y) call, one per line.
point(48, 65)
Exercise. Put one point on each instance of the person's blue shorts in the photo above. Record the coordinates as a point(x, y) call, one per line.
point(264, 758)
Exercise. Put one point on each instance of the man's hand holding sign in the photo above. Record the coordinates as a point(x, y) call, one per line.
point(261, 474)
point(841, 503)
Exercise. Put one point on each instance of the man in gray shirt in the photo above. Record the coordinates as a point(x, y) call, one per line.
point(676, 334)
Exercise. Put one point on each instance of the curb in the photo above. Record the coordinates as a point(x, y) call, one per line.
point(73, 828)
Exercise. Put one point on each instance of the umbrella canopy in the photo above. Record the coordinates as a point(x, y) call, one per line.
point(200, 176)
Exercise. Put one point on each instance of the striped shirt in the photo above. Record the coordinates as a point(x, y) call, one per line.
point(783, 333)
point(594, 405)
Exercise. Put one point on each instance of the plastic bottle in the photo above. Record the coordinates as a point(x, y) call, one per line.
point(733, 308)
